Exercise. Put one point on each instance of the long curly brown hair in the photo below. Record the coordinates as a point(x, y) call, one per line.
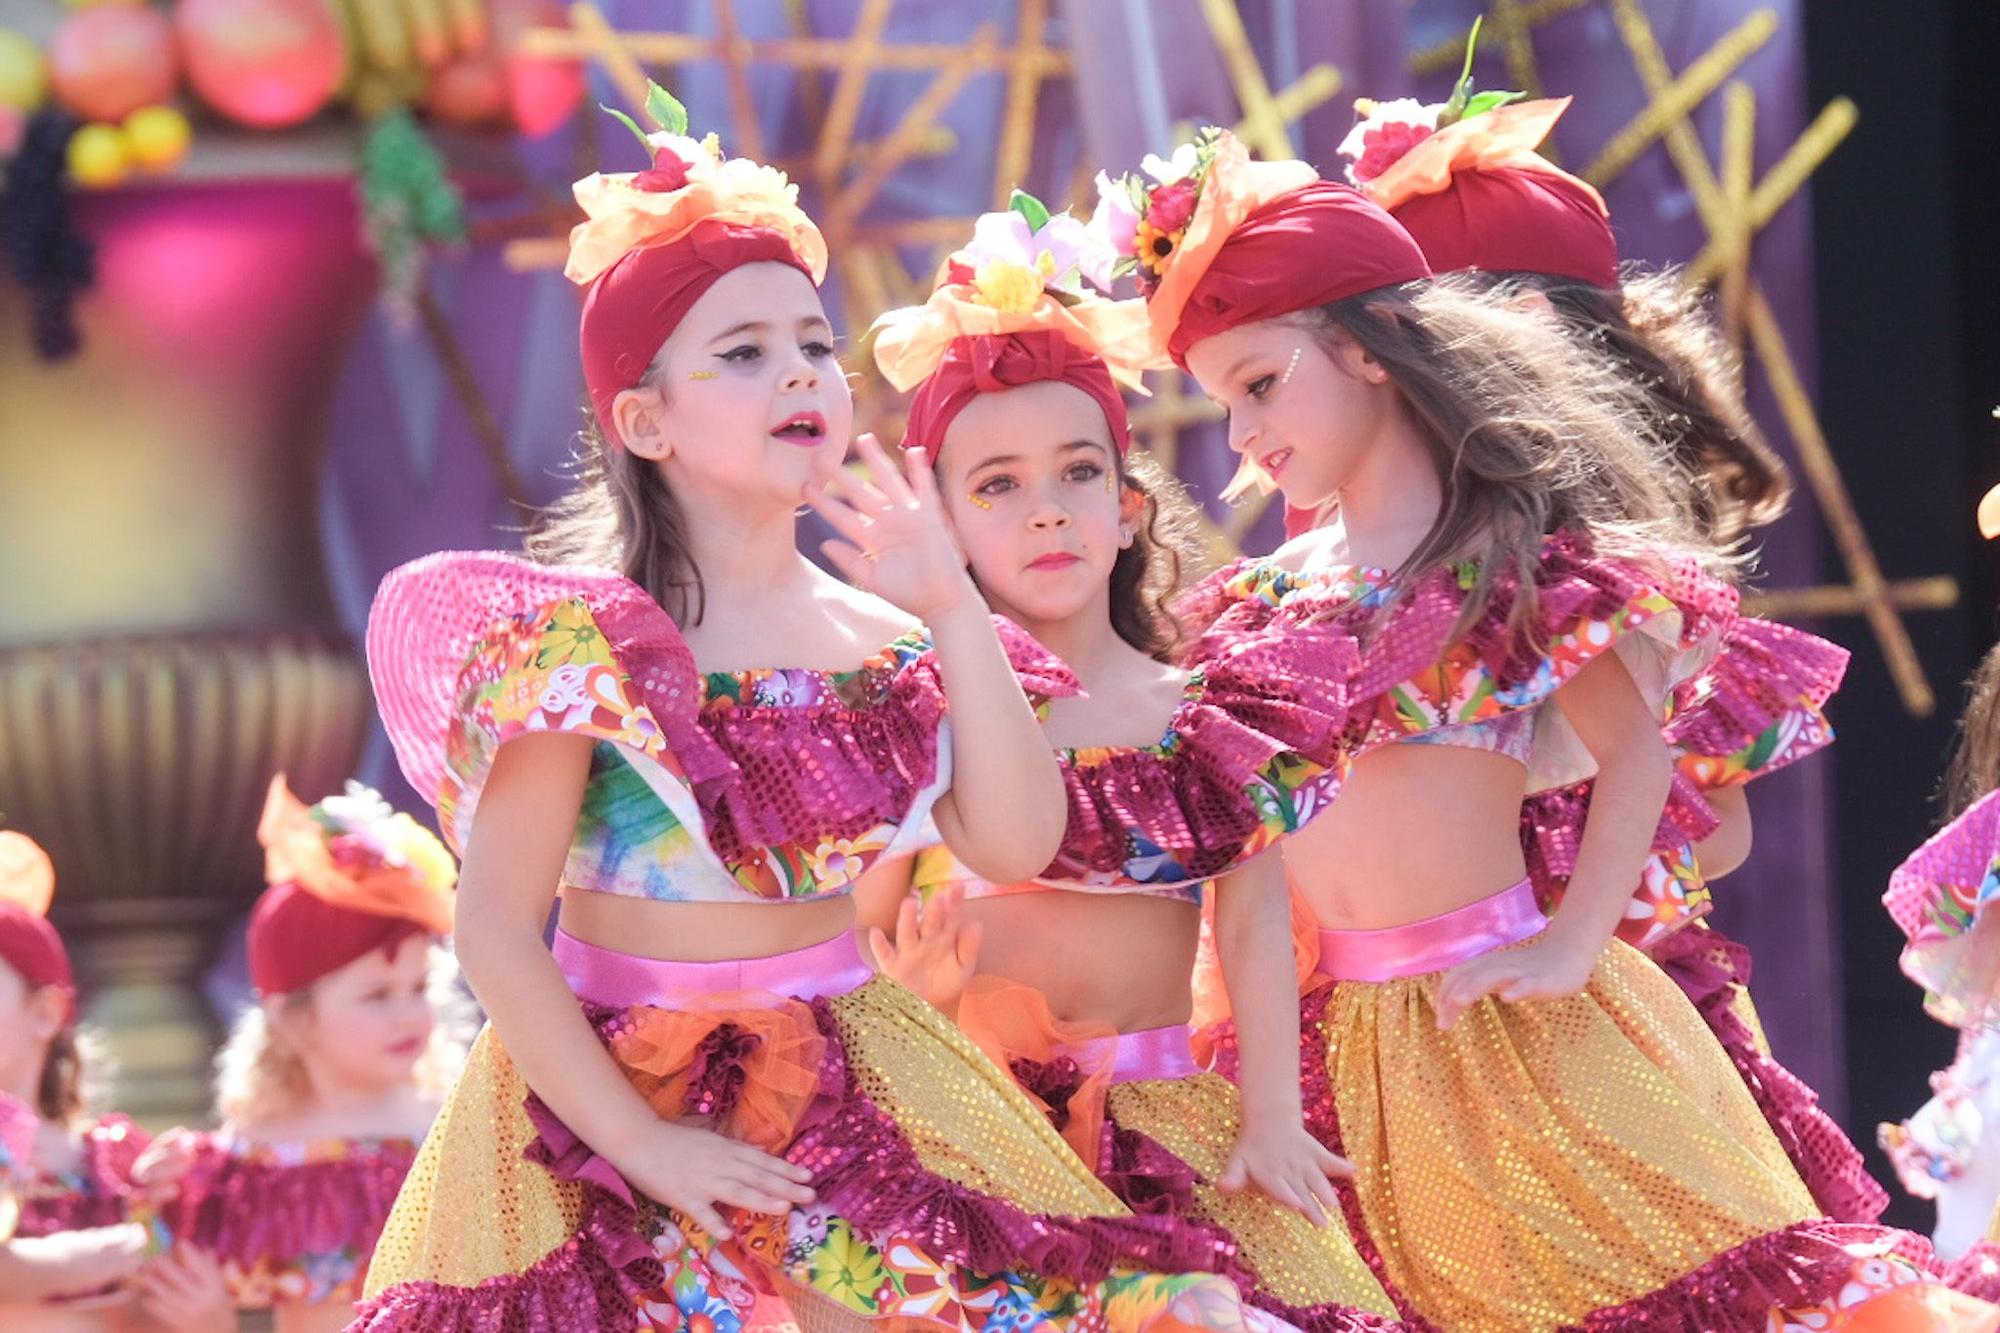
point(1529, 437)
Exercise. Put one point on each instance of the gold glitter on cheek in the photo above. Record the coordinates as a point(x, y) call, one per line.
point(704, 374)
point(979, 501)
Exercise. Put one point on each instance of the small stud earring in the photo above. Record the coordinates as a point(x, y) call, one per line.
point(704, 374)
point(1125, 535)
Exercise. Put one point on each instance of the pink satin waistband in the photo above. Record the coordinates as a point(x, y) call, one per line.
point(1152, 1053)
point(621, 980)
point(1433, 944)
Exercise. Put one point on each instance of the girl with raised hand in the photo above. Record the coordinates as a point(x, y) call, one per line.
point(1543, 1133)
point(700, 1101)
point(1179, 774)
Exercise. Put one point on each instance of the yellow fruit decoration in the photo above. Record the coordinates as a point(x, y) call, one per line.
point(24, 74)
point(156, 137)
point(97, 156)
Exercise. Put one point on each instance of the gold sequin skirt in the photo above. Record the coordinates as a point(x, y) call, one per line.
point(1593, 1161)
point(944, 1197)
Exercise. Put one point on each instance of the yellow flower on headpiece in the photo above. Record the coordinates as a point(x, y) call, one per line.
point(1013, 288)
point(690, 183)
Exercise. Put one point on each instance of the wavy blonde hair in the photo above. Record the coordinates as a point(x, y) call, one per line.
point(1529, 438)
point(261, 1077)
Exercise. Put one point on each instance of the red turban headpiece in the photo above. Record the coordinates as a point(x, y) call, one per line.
point(988, 363)
point(1310, 247)
point(348, 876)
point(1476, 195)
point(654, 241)
point(28, 943)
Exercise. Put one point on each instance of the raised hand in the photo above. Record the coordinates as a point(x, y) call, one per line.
point(933, 953)
point(896, 543)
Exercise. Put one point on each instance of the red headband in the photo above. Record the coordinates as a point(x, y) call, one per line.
point(1308, 247)
point(297, 937)
point(1515, 219)
point(993, 362)
point(634, 305)
point(28, 943)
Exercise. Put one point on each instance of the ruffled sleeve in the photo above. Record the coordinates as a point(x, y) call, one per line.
point(1416, 676)
point(1943, 899)
point(1260, 729)
point(470, 650)
point(1759, 707)
point(99, 1194)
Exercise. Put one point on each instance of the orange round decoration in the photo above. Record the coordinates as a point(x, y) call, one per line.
point(106, 63)
point(269, 64)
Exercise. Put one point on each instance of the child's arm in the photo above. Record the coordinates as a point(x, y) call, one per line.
point(1253, 940)
point(1005, 812)
point(506, 886)
point(1634, 772)
point(879, 895)
point(69, 1263)
point(1728, 847)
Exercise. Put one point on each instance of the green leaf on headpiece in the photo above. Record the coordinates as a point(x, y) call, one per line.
point(1461, 92)
point(1029, 207)
point(665, 110)
point(631, 125)
point(1481, 103)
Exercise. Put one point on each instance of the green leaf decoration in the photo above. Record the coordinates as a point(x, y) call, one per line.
point(631, 125)
point(1481, 103)
point(665, 110)
point(1461, 92)
point(1029, 207)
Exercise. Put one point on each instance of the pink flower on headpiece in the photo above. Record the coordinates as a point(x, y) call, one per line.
point(1386, 131)
point(670, 172)
point(1111, 234)
point(1171, 206)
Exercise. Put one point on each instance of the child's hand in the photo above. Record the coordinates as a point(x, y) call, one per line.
point(1548, 967)
point(1281, 1159)
point(897, 545)
point(184, 1292)
point(699, 1171)
point(161, 1168)
point(934, 955)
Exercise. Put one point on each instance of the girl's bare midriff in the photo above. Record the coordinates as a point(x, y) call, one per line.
point(1113, 958)
point(702, 932)
point(1418, 831)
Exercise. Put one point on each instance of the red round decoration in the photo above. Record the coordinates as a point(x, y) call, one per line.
point(470, 91)
point(268, 64)
point(543, 94)
point(107, 62)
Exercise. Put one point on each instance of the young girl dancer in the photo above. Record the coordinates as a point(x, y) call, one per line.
point(72, 1195)
point(325, 1088)
point(1478, 199)
point(705, 1098)
point(1543, 1134)
point(1944, 899)
point(1176, 774)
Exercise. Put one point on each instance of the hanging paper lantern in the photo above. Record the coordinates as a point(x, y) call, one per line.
point(471, 91)
point(544, 93)
point(106, 63)
point(24, 75)
point(269, 64)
